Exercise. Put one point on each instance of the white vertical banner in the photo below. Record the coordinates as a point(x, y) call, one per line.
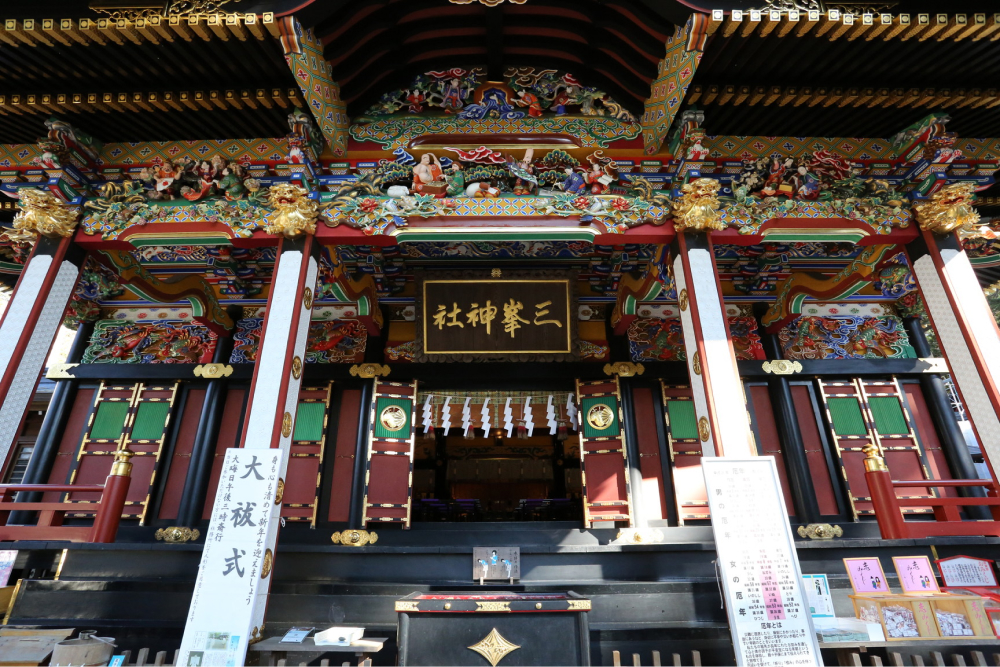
point(768, 608)
point(229, 594)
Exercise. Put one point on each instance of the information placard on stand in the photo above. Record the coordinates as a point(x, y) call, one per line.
point(761, 578)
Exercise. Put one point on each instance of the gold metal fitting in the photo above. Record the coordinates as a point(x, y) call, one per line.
point(354, 538)
point(625, 369)
point(369, 370)
point(122, 467)
point(177, 534)
point(873, 462)
point(820, 531)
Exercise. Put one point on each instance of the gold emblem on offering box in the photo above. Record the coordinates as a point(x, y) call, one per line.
point(393, 418)
point(600, 417)
point(494, 647)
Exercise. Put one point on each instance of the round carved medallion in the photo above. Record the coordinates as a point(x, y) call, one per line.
point(296, 367)
point(307, 298)
point(393, 418)
point(265, 567)
point(703, 430)
point(286, 425)
point(600, 417)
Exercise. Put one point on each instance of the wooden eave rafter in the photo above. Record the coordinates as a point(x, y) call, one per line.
point(48, 32)
point(922, 27)
point(31, 103)
point(850, 97)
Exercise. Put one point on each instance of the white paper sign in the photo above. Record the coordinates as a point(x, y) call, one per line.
point(6, 565)
point(768, 609)
point(229, 594)
point(818, 595)
point(962, 571)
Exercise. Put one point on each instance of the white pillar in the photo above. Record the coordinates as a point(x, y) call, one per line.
point(29, 327)
point(224, 603)
point(967, 334)
point(723, 426)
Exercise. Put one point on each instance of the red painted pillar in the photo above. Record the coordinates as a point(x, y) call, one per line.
point(887, 510)
point(113, 499)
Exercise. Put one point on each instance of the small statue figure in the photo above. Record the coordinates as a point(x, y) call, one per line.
point(574, 183)
point(231, 182)
point(426, 172)
point(524, 173)
point(452, 96)
point(482, 191)
point(563, 97)
point(696, 151)
point(416, 98)
point(65, 134)
point(525, 98)
point(599, 178)
point(455, 180)
point(698, 208)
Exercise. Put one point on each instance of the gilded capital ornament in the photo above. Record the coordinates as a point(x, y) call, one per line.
point(698, 208)
point(294, 212)
point(949, 208)
point(41, 213)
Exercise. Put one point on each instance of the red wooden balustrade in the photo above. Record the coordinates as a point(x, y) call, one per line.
point(50, 514)
point(889, 507)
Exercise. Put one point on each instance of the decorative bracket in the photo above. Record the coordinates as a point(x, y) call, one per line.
point(625, 369)
point(820, 531)
point(213, 371)
point(369, 370)
point(61, 372)
point(354, 538)
point(782, 367)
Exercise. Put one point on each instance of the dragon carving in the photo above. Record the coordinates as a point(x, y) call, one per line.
point(698, 207)
point(294, 212)
point(950, 208)
point(41, 213)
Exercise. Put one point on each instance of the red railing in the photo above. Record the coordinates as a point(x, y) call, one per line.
point(948, 520)
point(51, 514)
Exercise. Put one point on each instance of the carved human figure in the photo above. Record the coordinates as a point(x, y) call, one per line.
point(427, 171)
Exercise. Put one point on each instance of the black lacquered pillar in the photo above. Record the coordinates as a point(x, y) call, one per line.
point(199, 472)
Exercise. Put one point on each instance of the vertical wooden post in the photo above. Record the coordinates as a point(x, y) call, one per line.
point(113, 499)
point(887, 510)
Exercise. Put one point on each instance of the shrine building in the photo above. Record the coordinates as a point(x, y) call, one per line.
point(422, 316)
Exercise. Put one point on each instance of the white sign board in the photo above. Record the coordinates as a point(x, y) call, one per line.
point(767, 606)
point(230, 592)
point(818, 595)
point(963, 571)
point(7, 559)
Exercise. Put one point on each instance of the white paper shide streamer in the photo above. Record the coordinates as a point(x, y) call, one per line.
point(428, 414)
point(508, 418)
point(446, 414)
point(571, 412)
point(485, 416)
point(529, 419)
point(466, 418)
point(550, 416)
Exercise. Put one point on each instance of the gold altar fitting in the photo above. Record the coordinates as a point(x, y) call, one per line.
point(873, 462)
point(820, 531)
point(354, 538)
point(368, 371)
point(625, 369)
point(177, 534)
